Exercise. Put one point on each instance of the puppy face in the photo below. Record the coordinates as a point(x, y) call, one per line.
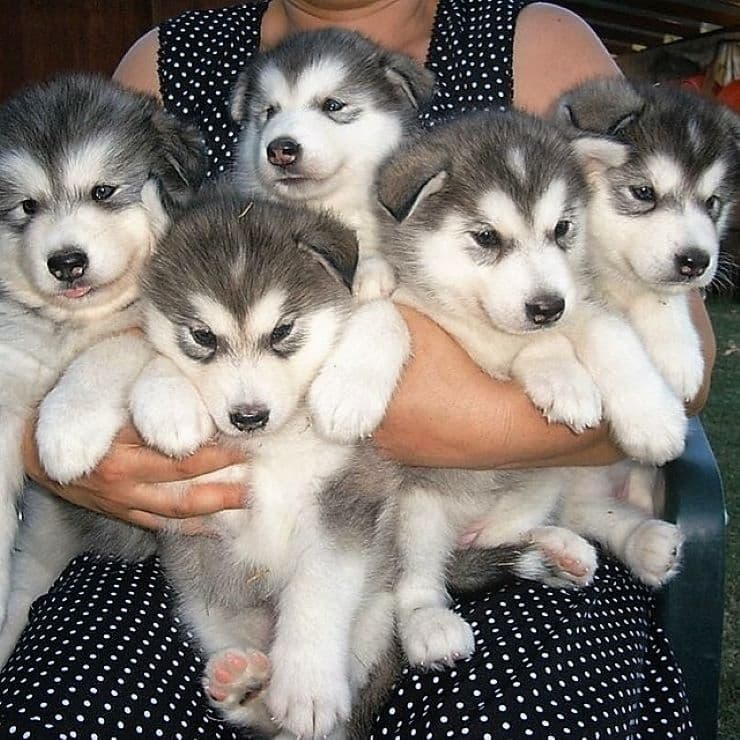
point(86, 183)
point(660, 209)
point(491, 214)
point(321, 108)
point(248, 307)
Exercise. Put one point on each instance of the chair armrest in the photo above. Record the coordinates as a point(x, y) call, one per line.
point(692, 606)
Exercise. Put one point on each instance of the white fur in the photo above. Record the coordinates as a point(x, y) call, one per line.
point(340, 171)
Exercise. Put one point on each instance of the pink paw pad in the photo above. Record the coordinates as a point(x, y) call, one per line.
point(234, 676)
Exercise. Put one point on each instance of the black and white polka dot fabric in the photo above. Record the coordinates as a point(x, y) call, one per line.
point(202, 52)
point(104, 655)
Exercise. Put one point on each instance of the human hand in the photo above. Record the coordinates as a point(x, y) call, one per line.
point(126, 484)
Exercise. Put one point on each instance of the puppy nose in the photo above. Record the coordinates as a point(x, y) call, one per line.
point(67, 265)
point(249, 418)
point(545, 309)
point(283, 152)
point(692, 263)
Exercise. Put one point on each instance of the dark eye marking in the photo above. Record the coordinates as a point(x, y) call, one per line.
point(281, 332)
point(204, 337)
point(488, 238)
point(645, 193)
point(30, 206)
point(332, 105)
point(102, 192)
point(713, 204)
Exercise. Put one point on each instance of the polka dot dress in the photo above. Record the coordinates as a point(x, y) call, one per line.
point(104, 654)
point(202, 52)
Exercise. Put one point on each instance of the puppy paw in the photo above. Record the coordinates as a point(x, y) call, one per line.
point(653, 551)
point(435, 636)
point(569, 397)
point(570, 561)
point(306, 698)
point(650, 427)
point(374, 278)
point(235, 676)
point(350, 395)
point(169, 412)
point(73, 435)
point(684, 373)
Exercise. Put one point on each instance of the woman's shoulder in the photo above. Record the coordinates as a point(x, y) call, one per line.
point(554, 49)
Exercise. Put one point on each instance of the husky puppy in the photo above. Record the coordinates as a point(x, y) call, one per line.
point(318, 114)
point(89, 173)
point(661, 203)
point(485, 225)
point(294, 595)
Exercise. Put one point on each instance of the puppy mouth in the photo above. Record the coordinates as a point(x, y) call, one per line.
point(76, 290)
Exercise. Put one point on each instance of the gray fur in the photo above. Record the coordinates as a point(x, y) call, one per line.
point(398, 85)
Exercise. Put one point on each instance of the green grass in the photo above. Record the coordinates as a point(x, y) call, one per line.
point(722, 421)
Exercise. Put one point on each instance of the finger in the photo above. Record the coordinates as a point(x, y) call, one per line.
point(145, 465)
point(197, 500)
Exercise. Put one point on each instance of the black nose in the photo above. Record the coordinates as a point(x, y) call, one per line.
point(249, 418)
point(67, 265)
point(545, 309)
point(283, 152)
point(692, 263)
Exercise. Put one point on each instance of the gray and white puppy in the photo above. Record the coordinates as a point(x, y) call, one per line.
point(486, 223)
point(663, 198)
point(89, 175)
point(318, 114)
point(292, 599)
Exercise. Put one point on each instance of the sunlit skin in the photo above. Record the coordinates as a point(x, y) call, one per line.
point(446, 412)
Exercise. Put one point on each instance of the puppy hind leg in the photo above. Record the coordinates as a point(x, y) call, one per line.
point(651, 548)
point(11, 481)
point(46, 544)
point(431, 633)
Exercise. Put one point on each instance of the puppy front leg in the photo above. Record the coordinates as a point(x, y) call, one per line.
point(374, 276)
point(310, 693)
point(557, 383)
point(168, 411)
point(82, 414)
point(647, 419)
point(665, 327)
point(353, 389)
point(430, 632)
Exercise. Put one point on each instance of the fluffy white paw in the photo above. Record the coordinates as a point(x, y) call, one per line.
point(350, 395)
point(307, 698)
point(684, 372)
point(653, 551)
point(169, 413)
point(434, 636)
point(649, 426)
point(234, 676)
point(565, 395)
point(374, 278)
point(570, 560)
point(73, 436)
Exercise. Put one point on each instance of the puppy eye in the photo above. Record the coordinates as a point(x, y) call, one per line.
point(644, 193)
point(332, 105)
point(488, 239)
point(713, 204)
point(30, 206)
point(281, 332)
point(204, 337)
point(562, 228)
point(102, 192)
point(269, 112)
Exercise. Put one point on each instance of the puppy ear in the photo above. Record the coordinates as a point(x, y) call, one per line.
point(408, 178)
point(183, 163)
point(414, 81)
point(241, 92)
point(599, 107)
point(333, 246)
point(597, 154)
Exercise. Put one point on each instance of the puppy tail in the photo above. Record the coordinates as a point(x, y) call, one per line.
point(474, 570)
